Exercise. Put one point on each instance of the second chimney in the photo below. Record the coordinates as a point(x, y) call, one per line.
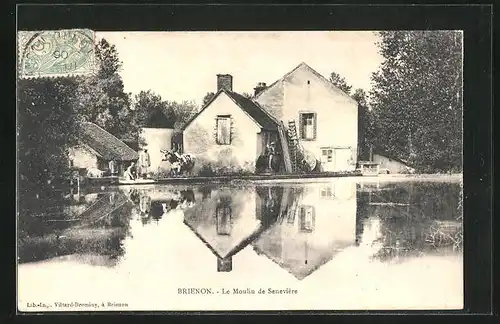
point(224, 81)
point(258, 89)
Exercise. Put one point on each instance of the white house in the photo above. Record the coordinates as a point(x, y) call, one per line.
point(230, 130)
point(325, 116)
point(156, 135)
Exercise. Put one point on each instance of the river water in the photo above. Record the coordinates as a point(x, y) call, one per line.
point(332, 244)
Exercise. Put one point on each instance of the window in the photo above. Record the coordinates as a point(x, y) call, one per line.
point(223, 126)
point(223, 214)
point(306, 219)
point(308, 126)
point(327, 192)
point(326, 155)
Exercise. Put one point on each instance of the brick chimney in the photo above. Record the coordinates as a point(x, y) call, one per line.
point(224, 81)
point(258, 89)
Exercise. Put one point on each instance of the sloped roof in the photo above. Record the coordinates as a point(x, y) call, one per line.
point(106, 145)
point(321, 77)
point(259, 115)
point(297, 269)
point(254, 110)
point(390, 156)
point(229, 250)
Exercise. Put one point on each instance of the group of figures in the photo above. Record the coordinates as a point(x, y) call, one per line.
point(179, 164)
point(269, 161)
point(134, 172)
point(151, 208)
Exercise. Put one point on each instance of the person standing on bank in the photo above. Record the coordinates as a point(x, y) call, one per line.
point(144, 163)
point(112, 168)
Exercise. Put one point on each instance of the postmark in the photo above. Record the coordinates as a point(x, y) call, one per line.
point(56, 53)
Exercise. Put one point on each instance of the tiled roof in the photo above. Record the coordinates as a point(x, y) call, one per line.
point(105, 144)
point(254, 110)
point(258, 114)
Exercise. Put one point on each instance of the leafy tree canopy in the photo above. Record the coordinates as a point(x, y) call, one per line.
point(417, 98)
point(340, 82)
point(208, 97)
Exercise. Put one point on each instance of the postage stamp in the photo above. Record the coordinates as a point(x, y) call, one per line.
point(56, 53)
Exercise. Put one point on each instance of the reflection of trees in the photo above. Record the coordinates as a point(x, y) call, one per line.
point(98, 230)
point(415, 217)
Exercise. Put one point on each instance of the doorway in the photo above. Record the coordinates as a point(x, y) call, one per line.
point(334, 159)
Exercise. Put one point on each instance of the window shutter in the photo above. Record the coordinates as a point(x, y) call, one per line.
point(301, 126)
point(314, 126)
point(219, 131)
point(231, 129)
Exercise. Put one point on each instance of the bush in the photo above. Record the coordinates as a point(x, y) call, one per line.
point(159, 174)
point(209, 169)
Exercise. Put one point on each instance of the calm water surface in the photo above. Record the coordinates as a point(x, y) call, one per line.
point(343, 243)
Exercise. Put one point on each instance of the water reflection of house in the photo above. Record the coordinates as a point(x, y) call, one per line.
point(228, 219)
point(317, 222)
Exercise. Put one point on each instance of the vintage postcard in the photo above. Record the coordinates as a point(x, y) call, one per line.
point(220, 171)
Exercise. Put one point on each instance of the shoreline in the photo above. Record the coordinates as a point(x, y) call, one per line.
point(275, 178)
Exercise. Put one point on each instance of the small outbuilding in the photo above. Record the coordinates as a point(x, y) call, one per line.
point(96, 148)
point(391, 164)
point(156, 135)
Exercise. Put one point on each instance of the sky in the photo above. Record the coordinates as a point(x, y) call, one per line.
point(183, 65)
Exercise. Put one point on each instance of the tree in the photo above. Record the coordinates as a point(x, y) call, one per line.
point(182, 112)
point(361, 97)
point(417, 98)
point(340, 82)
point(247, 95)
point(147, 105)
point(46, 124)
point(101, 98)
point(366, 131)
point(208, 97)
